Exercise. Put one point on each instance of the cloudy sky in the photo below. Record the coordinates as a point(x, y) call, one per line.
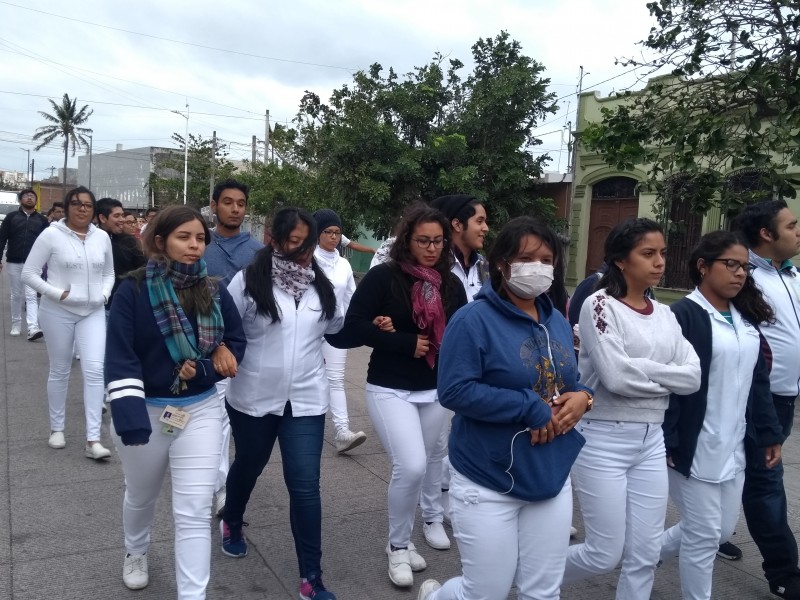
point(134, 63)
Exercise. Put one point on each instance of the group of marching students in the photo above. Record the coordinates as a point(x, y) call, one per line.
point(474, 386)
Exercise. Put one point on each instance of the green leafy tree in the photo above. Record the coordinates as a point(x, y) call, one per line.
point(204, 161)
point(731, 101)
point(65, 122)
point(384, 140)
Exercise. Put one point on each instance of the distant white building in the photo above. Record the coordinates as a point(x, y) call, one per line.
point(14, 178)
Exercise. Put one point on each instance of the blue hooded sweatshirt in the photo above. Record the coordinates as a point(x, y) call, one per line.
point(496, 366)
point(226, 256)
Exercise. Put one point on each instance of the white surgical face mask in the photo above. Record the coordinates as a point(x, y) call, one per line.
point(529, 279)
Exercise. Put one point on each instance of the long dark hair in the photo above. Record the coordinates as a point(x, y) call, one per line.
point(198, 299)
point(749, 301)
point(621, 240)
point(258, 276)
point(506, 247)
point(415, 214)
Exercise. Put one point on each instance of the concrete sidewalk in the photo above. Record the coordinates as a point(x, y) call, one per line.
point(63, 534)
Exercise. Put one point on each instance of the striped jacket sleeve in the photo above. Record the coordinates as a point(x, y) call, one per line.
point(123, 369)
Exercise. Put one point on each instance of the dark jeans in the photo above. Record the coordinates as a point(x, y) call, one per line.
point(764, 503)
point(300, 440)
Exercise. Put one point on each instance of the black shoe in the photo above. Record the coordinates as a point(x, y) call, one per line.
point(729, 551)
point(786, 587)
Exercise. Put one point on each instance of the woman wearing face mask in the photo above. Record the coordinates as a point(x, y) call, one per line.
point(80, 277)
point(508, 372)
point(287, 305)
point(705, 432)
point(634, 355)
point(416, 289)
point(172, 334)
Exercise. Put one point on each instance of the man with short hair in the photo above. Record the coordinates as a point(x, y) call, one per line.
point(127, 254)
point(773, 236)
point(230, 250)
point(56, 212)
point(20, 229)
point(148, 215)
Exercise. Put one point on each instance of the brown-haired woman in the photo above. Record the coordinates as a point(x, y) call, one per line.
point(172, 334)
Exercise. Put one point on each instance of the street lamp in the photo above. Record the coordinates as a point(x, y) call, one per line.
point(186, 150)
point(90, 158)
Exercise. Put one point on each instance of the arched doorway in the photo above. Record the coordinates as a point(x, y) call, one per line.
point(613, 200)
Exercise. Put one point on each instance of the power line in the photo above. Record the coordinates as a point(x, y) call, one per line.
point(194, 45)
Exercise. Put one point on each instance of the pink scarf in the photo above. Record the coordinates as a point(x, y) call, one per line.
point(426, 306)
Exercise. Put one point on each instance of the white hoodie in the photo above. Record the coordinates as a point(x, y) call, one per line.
point(84, 268)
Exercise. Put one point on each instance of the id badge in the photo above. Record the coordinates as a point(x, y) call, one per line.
point(173, 418)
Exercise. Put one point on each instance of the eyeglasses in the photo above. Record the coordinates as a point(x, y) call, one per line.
point(28, 197)
point(428, 242)
point(734, 265)
point(331, 233)
point(79, 204)
point(129, 222)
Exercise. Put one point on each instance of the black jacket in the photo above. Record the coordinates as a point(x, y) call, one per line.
point(685, 415)
point(127, 257)
point(20, 231)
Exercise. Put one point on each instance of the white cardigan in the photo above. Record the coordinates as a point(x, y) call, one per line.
point(84, 268)
point(283, 361)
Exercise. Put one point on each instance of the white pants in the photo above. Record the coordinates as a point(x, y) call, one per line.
point(192, 456)
point(64, 330)
point(335, 360)
point(505, 540)
point(620, 478)
point(709, 513)
point(411, 435)
point(224, 458)
point(19, 291)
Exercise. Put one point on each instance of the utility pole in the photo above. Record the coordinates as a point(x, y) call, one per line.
point(266, 140)
point(90, 158)
point(185, 151)
point(253, 143)
point(33, 171)
point(53, 171)
point(213, 166)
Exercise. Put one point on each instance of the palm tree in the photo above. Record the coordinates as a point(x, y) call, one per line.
point(65, 120)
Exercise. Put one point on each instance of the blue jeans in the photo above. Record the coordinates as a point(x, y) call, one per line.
point(764, 503)
point(300, 440)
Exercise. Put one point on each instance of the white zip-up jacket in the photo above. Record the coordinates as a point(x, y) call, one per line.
point(338, 270)
point(84, 268)
point(781, 288)
point(283, 361)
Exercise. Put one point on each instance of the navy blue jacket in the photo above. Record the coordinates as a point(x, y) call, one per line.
point(138, 363)
point(20, 230)
point(684, 418)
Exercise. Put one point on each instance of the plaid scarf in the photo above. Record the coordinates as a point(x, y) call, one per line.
point(163, 278)
point(291, 277)
point(426, 306)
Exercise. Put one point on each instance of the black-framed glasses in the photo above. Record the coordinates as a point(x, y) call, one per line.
point(79, 204)
point(428, 242)
point(332, 233)
point(734, 265)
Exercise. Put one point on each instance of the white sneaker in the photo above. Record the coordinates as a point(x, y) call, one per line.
point(34, 334)
point(427, 588)
point(219, 505)
point(16, 330)
point(56, 440)
point(436, 536)
point(572, 531)
point(346, 440)
point(399, 567)
point(415, 559)
point(96, 451)
point(134, 571)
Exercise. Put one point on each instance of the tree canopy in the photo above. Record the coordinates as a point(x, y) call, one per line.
point(384, 140)
point(730, 102)
point(65, 122)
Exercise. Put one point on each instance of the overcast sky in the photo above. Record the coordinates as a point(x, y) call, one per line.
point(134, 63)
